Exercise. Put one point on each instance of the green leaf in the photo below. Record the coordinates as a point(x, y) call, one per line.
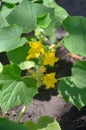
point(26, 65)
point(1, 67)
point(47, 123)
point(15, 56)
point(10, 38)
point(26, 14)
point(6, 124)
point(12, 1)
point(31, 125)
point(3, 14)
point(3, 22)
point(60, 13)
point(5, 11)
point(15, 90)
point(73, 88)
point(44, 20)
point(57, 18)
point(75, 42)
point(44, 123)
point(31, 84)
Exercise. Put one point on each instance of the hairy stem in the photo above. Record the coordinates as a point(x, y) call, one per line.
point(21, 113)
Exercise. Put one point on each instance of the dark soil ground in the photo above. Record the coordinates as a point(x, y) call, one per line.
point(74, 7)
point(49, 102)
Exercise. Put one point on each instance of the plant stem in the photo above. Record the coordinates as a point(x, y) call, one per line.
point(21, 113)
point(59, 44)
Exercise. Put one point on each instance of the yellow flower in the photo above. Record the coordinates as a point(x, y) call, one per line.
point(35, 50)
point(49, 58)
point(49, 80)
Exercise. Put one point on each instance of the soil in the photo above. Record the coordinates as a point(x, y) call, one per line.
point(74, 7)
point(49, 102)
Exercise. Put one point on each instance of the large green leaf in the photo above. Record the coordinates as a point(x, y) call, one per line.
point(5, 11)
point(73, 88)
point(3, 14)
point(44, 123)
point(26, 13)
point(15, 56)
point(6, 124)
point(15, 90)
point(3, 22)
point(44, 20)
point(31, 125)
point(10, 38)
point(60, 13)
point(75, 42)
point(47, 123)
point(12, 1)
